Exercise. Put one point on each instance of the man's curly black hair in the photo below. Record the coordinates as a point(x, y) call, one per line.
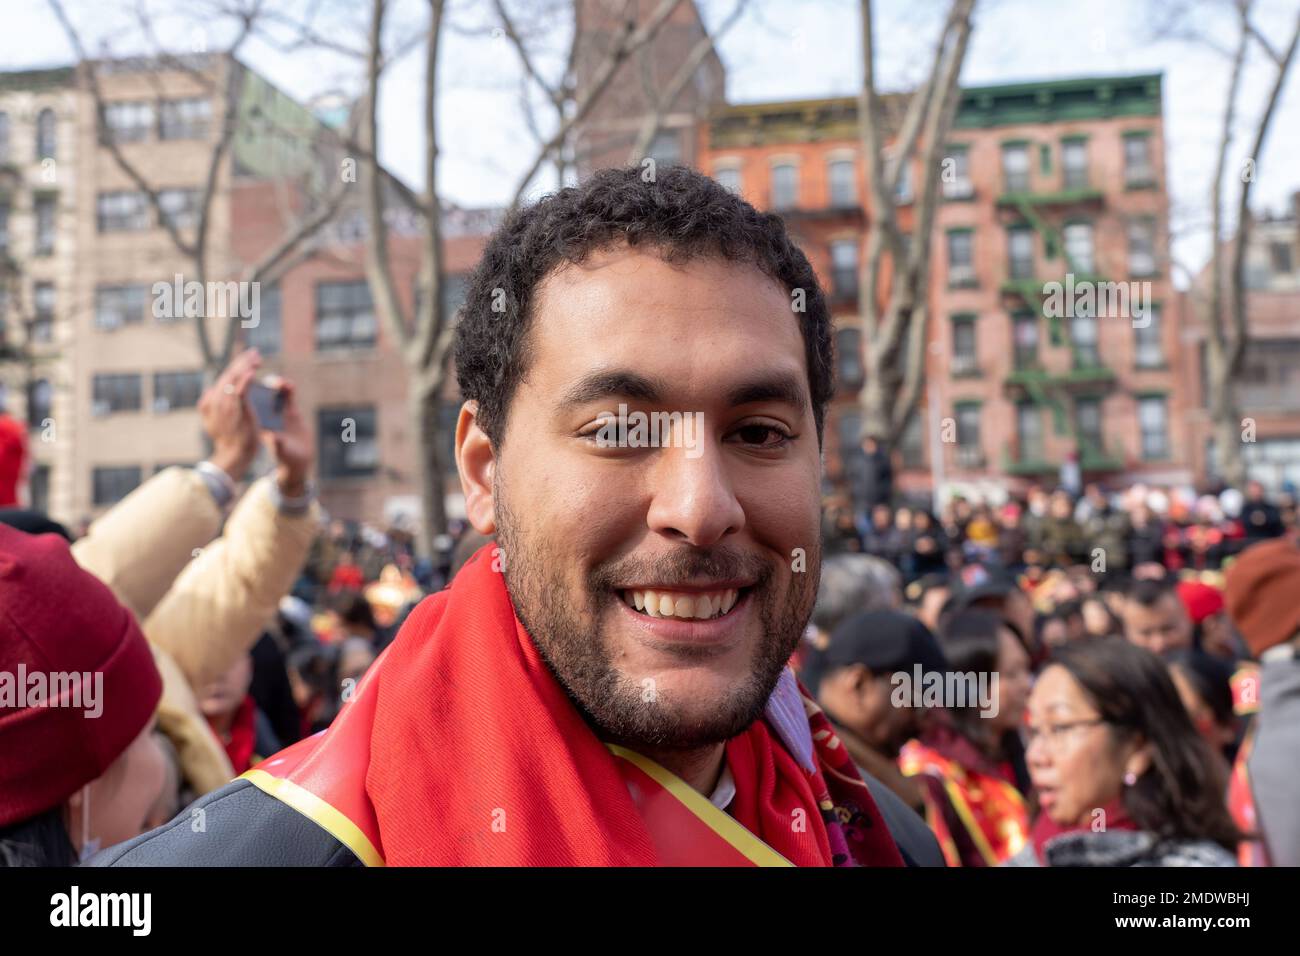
point(683, 215)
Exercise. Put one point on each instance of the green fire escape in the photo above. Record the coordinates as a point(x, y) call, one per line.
point(1087, 374)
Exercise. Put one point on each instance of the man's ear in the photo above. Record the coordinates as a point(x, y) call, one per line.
point(476, 462)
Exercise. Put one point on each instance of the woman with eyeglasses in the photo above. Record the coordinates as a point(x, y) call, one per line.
point(1121, 775)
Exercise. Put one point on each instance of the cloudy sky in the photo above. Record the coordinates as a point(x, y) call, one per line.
point(781, 49)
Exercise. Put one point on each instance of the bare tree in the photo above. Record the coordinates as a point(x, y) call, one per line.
point(1225, 311)
point(425, 338)
point(570, 103)
point(216, 80)
point(894, 329)
point(662, 100)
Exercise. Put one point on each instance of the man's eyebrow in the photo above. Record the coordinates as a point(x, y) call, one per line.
point(613, 383)
point(623, 383)
point(781, 387)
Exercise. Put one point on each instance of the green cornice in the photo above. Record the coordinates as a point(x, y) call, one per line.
point(37, 79)
point(835, 118)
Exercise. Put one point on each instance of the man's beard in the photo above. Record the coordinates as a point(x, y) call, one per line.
point(570, 640)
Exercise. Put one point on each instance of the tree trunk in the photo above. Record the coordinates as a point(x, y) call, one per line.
point(1226, 418)
point(429, 469)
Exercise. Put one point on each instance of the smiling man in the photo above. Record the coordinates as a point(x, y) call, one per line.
point(608, 683)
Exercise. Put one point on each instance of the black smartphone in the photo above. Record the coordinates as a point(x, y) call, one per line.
point(268, 406)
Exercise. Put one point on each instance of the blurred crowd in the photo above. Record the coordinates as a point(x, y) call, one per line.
point(1133, 693)
point(1148, 701)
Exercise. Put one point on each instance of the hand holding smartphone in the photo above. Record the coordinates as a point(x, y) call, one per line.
point(268, 404)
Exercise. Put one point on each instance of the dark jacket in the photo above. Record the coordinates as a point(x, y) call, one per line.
point(1124, 848)
point(240, 825)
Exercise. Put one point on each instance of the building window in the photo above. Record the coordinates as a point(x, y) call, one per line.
point(844, 268)
point(122, 211)
point(1015, 167)
point(47, 134)
point(345, 317)
point(1083, 335)
point(955, 174)
point(903, 193)
point(1142, 247)
point(1270, 377)
point(44, 208)
point(111, 485)
point(912, 443)
point(452, 291)
point(1087, 423)
point(348, 441)
point(1029, 431)
point(1025, 325)
point(848, 358)
point(1078, 248)
point(127, 122)
point(1280, 257)
point(666, 148)
point(265, 334)
point(1149, 352)
point(118, 305)
point(1138, 170)
point(1020, 253)
point(180, 207)
point(4, 137)
point(4, 228)
point(728, 177)
point(785, 186)
point(39, 488)
point(1074, 163)
point(42, 326)
point(843, 183)
point(173, 390)
point(961, 264)
point(965, 360)
point(969, 453)
point(1154, 424)
point(185, 119)
point(40, 402)
point(115, 393)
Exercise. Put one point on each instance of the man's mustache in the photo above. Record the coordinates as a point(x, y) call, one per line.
point(682, 567)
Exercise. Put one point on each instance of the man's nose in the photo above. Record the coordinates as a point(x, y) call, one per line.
point(694, 500)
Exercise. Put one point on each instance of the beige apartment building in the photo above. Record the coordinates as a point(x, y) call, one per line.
point(39, 178)
point(106, 372)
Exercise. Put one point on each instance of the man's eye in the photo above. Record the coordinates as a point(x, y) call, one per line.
point(762, 436)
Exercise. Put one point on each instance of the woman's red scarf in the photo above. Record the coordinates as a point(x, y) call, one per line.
point(478, 757)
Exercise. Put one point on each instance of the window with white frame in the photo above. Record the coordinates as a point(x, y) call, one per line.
point(1079, 247)
point(785, 185)
point(118, 305)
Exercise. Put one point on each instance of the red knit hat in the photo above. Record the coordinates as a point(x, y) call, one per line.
point(77, 679)
point(1201, 600)
point(1263, 593)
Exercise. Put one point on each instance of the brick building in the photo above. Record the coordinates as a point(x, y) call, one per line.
point(1269, 392)
point(1046, 179)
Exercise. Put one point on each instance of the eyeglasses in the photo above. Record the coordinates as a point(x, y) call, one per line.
point(1053, 734)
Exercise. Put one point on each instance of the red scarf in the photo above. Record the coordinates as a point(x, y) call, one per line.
point(1044, 829)
point(477, 757)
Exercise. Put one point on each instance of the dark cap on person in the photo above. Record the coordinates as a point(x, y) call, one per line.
point(976, 583)
point(883, 641)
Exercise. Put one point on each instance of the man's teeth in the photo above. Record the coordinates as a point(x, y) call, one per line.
point(696, 606)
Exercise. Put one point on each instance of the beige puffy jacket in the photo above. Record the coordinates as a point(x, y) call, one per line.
point(201, 602)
